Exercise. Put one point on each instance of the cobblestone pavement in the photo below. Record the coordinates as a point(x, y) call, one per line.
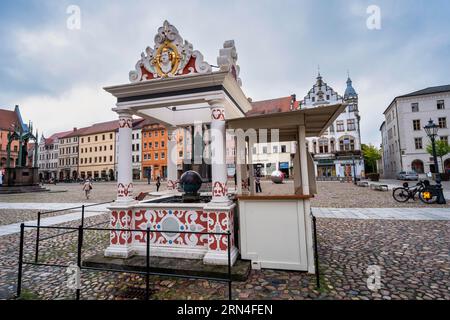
point(384, 213)
point(413, 258)
point(330, 195)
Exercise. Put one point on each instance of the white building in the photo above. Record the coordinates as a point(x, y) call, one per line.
point(404, 141)
point(271, 156)
point(338, 152)
point(48, 156)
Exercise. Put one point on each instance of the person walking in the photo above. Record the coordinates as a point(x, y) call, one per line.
point(87, 187)
point(258, 183)
point(158, 183)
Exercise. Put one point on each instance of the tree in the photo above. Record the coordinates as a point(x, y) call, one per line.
point(442, 149)
point(371, 154)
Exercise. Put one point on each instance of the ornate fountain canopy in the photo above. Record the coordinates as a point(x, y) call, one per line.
point(169, 57)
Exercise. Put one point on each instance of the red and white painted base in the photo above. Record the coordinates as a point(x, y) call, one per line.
point(198, 217)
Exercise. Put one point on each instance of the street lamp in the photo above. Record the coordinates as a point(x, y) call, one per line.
point(431, 130)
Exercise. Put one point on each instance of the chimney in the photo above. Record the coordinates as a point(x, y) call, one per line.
point(74, 128)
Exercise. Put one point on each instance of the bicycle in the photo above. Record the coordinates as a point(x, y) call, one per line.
point(422, 190)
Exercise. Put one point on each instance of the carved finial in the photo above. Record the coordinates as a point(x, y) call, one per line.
point(227, 60)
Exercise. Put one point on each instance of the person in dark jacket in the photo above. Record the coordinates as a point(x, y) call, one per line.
point(158, 183)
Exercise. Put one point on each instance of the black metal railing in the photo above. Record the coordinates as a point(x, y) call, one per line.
point(40, 214)
point(147, 273)
point(316, 252)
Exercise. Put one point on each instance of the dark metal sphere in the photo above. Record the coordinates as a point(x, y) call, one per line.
point(190, 182)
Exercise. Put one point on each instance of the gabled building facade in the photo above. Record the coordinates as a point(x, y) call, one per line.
point(337, 154)
point(48, 159)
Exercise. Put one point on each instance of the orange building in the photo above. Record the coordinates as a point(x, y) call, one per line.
point(154, 151)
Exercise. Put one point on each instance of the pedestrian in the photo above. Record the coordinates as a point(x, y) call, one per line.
point(258, 183)
point(87, 187)
point(1, 177)
point(158, 183)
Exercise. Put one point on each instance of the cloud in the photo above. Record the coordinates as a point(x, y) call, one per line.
point(78, 107)
point(57, 75)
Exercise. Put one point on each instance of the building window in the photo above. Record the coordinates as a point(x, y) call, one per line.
point(156, 144)
point(82, 140)
point(415, 107)
point(103, 137)
point(110, 136)
point(162, 144)
point(440, 105)
point(340, 126)
point(418, 143)
point(264, 150)
point(444, 138)
point(110, 147)
point(283, 148)
point(416, 125)
point(442, 122)
point(150, 145)
point(96, 138)
point(347, 144)
point(351, 125)
point(180, 154)
point(137, 158)
point(162, 132)
point(323, 145)
point(163, 155)
point(110, 159)
point(331, 128)
point(156, 155)
point(137, 146)
point(275, 149)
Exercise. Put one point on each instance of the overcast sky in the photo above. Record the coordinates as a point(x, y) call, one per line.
point(56, 75)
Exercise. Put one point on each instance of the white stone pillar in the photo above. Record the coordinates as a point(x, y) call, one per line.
point(218, 154)
point(303, 159)
point(125, 164)
point(172, 159)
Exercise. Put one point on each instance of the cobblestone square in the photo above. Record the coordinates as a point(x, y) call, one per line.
point(412, 255)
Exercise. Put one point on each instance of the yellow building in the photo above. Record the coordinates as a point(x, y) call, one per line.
point(97, 149)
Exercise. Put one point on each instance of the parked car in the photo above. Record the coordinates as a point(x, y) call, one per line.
point(408, 175)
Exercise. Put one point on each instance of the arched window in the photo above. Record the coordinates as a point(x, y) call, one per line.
point(417, 166)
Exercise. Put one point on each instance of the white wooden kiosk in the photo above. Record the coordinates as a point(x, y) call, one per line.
point(174, 86)
point(276, 230)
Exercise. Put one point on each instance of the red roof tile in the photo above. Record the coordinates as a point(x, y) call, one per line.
point(284, 104)
point(101, 127)
point(8, 119)
point(54, 136)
